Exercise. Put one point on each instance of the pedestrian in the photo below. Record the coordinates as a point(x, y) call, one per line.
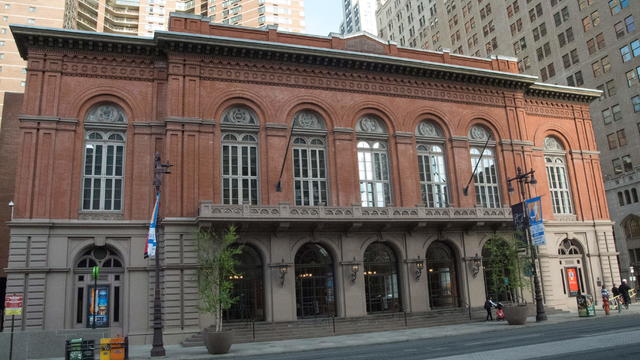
point(605, 299)
point(616, 297)
point(624, 293)
point(487, 306)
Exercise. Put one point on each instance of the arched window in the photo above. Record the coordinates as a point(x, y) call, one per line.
point(239, 156)
point(569, 247)
point(101, 303)
point(309, 159)
point(632, 227)
point(103, 175)
point(248, 287)
point(627, 196)
point(485, 177)
point(554, 156)
point(373, 162)
point(442, 278)
point(315, 282)
point(381, 278)
point(431, 165)
point(634, 195)
point(620, 198)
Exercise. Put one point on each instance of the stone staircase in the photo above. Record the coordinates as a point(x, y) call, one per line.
point(308, 328)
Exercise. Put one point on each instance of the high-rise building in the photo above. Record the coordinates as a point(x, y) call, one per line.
point(359, 15)
point(584, 43)
point(28, 12)
point(143, 17)
point(130, 17)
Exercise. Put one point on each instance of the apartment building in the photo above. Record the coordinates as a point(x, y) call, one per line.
point(359, 15)
point(583, 43)
point(28, 12)
point(143, 17)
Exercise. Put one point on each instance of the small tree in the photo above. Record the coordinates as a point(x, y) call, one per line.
point(504, 266)
point(217, 262)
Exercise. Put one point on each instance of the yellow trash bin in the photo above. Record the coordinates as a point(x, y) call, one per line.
point(105, 349)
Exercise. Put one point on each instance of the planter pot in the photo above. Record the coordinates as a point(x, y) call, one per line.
point(217, 342)
point(516, 315)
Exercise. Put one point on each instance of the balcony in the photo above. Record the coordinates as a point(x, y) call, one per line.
point(122, 20)
point(120, 29)
point(351, 218)
point(122, 11)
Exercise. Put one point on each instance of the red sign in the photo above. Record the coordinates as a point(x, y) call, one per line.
point(13, 304)
point(572, 277)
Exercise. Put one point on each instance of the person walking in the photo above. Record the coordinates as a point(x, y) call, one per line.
point(616, 297)
point(605, 299)
point(624, 293)
point(487, 306)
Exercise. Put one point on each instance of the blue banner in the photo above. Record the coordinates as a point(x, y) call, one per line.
point(150, 249)
point(534, 219)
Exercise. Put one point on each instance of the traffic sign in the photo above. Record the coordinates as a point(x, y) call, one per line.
point(13, 304)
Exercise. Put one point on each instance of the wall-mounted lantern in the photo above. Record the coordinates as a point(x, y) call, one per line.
point(476, 263)
point(419, 268)
point(355, 267)
point(284, 268)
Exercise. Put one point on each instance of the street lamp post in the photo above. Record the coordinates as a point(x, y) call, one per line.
point(158, 346)
point(529, 178)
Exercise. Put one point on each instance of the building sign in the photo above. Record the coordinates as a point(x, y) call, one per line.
point(572, 281)
point(13, 304)
point(99, 306)
point(534, 218)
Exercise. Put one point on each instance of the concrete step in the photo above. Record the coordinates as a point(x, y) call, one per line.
point(307, 328)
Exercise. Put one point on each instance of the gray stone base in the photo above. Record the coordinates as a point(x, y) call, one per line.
point(44, 344)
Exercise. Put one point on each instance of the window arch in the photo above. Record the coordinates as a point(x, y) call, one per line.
point(248, 287)
point(239, 156)
point(104, 145)
point(442, 277)
point(569, 247)
point(485, 177)
point(620, 198)
point(315, 281)
point(381, 278)
point(373, 162)
point(431, 165)
point(309, 159)
point(555, 161)
point(632, 227)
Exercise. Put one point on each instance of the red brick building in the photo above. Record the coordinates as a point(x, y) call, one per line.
point(376, 143)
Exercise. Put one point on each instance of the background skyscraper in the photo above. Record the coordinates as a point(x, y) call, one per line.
point(359, 15)
point(586, 43)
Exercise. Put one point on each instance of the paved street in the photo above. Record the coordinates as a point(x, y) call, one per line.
point(614, 337)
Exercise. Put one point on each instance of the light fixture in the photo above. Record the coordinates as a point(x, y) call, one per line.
point(475, 265)
point(533, 180)
point(509, 186)
point(355, 267)
point(419, 268)
point(284, 268)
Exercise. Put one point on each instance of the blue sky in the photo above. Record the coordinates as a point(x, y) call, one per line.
point(323, 16)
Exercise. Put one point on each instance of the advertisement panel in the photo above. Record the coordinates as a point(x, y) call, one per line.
point(13, 304)
point(534, 217)
point(98, 306)
point(572, 281)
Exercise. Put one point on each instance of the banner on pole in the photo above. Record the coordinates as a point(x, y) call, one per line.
point(152, 243)
point(13, 304)
point(534, 219)
point(519, 224)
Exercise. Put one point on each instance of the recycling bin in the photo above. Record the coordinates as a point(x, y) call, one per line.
point(79, 349)
point(586, 306)
point(114, 348)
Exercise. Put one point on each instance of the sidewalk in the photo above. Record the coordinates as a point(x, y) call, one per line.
point(285, 346)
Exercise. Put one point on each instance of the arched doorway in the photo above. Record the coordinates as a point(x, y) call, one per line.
point(99, 301)
point(315, 282)
point(248, 287)
point(381, 278)
point(570, 256)
point(442, 277)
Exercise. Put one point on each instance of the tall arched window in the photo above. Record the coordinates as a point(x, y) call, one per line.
point(315, 282)
point(485, 177)
point(239, 156)
point(381, 278)
point(373, 162)
point(431, 165)
point(101, 303)
point(554, 157)
point(309, 159)
point(632, 227)
point(103, 175)
point(442, 278)
point(248, 287)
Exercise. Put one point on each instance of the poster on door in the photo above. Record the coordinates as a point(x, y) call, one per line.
point(98, 306)
point(572, 280)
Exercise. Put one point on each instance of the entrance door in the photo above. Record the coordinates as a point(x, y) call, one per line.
point(315, 290)
point(441, 270)
point(248, 287)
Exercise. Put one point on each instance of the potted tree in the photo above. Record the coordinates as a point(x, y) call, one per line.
point(504, 267)
point(217, 261)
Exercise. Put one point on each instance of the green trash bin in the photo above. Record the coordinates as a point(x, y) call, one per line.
point(79, 349)
point(586, 307)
